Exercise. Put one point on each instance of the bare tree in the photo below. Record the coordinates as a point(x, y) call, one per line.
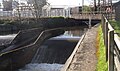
point(37, 4)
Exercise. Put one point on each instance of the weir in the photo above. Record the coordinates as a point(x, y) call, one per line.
point(54, 52)
point(21, 49)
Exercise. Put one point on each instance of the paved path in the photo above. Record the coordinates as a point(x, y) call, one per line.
point(85, 57)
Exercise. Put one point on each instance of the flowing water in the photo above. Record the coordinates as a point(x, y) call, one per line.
point(6, 39)
point(52, 55)
point(42, 67)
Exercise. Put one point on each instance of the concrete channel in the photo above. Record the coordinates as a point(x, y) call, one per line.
point(58, 50)
point(23, 47)
point(55, 50)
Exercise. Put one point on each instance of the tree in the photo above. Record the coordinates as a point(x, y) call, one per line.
point(86, 9)
point(38, 4)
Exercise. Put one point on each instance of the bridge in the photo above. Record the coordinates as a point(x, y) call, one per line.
point(75, 16)
point(86, 16)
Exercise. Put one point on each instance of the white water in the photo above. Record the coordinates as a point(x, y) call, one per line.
point(42, 67)
point(11, 36)
point(6, 39)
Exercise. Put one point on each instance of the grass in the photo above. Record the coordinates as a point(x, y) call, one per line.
point(116, 26)
point(102, 64)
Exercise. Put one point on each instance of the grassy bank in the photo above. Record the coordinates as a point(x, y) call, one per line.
point(102, 64)
point(116, 26)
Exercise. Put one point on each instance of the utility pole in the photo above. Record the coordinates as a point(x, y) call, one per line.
point(99, 6)
point(110, 6)
point(19, 14)
point(95, 6)
point(82, 6)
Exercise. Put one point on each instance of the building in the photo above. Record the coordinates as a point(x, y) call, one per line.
point(29, 8)
point(6, 8)
point(22, 8)
point(76, 10)
point(24, 11)
point(7, 5)
point(55, 11)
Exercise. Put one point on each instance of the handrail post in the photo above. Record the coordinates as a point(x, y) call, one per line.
point(102, 20)
point(111, 50)
point(106, 39)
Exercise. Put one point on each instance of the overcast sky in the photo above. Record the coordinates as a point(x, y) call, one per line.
point(65, 2)
point(69, 2)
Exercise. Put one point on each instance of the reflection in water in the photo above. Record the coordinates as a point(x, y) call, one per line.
point(72, 34)
point(42, 67)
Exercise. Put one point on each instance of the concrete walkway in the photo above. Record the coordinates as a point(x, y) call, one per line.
point(85, 58)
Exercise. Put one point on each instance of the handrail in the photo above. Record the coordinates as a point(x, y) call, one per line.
point(117, 40)
point(112, 42)
point(22, 31)
point(32, 44)
point(110, 27)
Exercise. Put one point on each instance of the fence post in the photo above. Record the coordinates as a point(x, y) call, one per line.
point(111, 50)
point(106, 39)
point(103, 26)
point(102, 21)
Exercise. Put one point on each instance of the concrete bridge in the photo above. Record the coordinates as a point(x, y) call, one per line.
point(76, 16)
point(86, 16)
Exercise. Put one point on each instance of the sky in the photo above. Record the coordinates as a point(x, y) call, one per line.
point(65, 2)
point(69, 2)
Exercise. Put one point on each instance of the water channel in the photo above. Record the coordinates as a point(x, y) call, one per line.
point(53, 53)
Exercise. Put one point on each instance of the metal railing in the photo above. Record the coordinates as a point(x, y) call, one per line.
point(112, 43)
point(37, 39)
